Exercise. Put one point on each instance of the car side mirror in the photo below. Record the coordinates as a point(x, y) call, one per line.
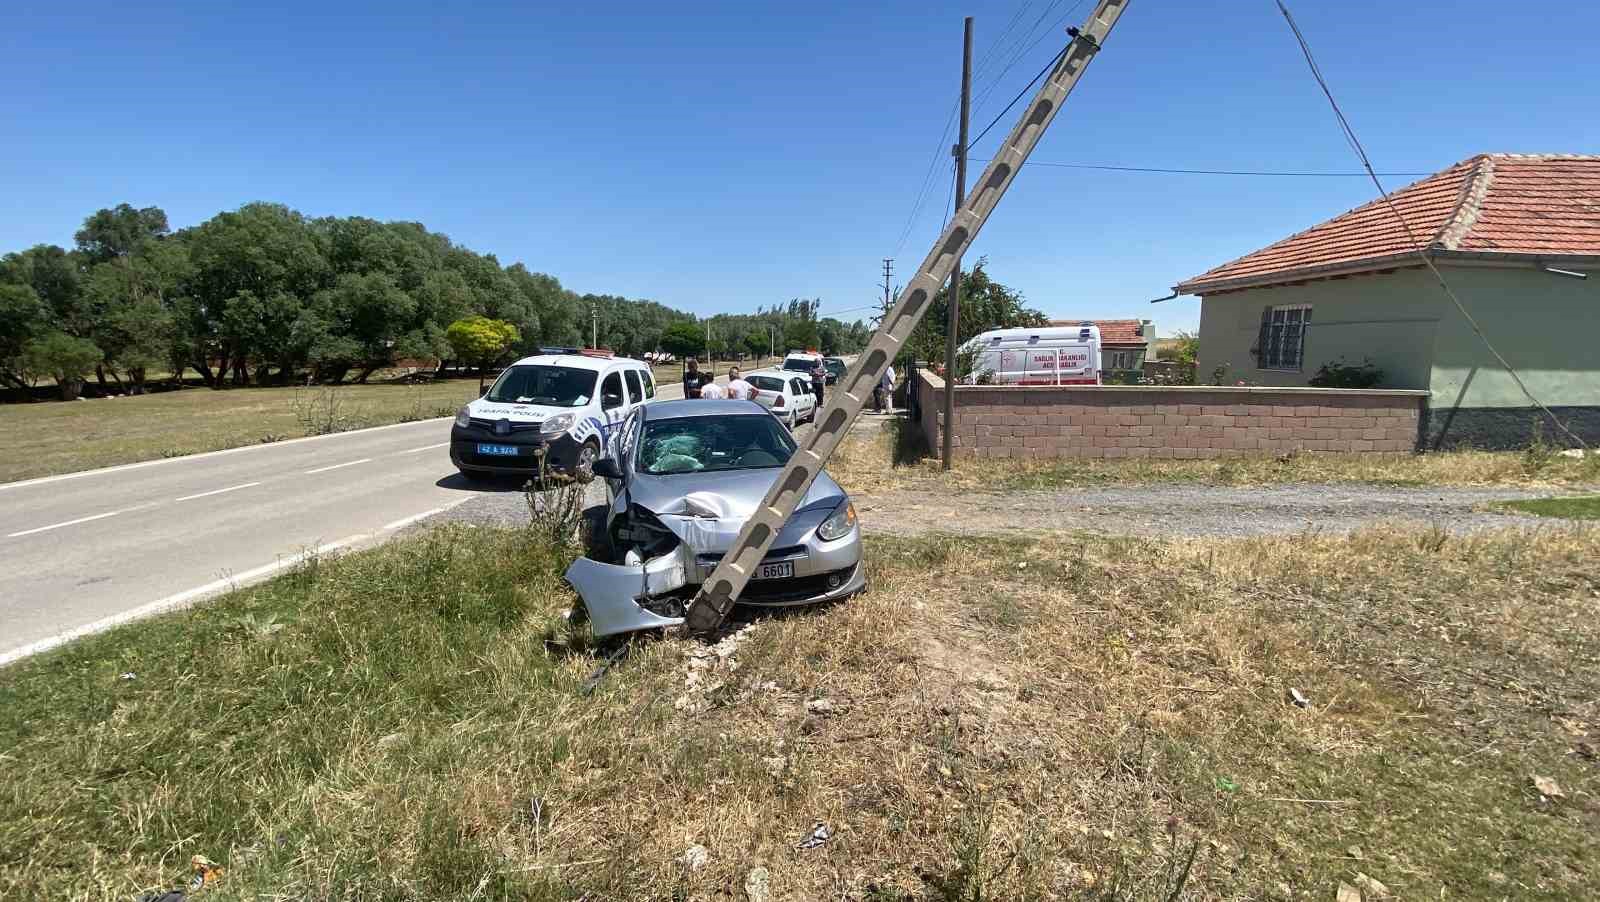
point(606, 468)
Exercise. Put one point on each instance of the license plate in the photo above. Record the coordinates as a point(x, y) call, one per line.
point(778, 570)
point(498, 450)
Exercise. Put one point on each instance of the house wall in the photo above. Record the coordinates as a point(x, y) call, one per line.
point(1547, 326)
point(1177, 422)
point(1390, 319)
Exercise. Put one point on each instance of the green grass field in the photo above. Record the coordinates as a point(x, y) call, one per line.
point(1585, 508)
point(1067, 717)
point(44, 439)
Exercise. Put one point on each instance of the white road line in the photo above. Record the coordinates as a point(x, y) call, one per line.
point(188, 457)
point(407, 521)
point(425, 448)
point(29, 532)
point(231, 488)
point(172, 602)
point(348, 463)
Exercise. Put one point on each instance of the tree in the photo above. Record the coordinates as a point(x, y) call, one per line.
point(63, 357)
point(54, 276)
point(119, 232)
point(683, 340)
point(985, 304)
point(22, 317)
point(757, 343)
point(481, 341)
point(800, 335)
point(1184, 348)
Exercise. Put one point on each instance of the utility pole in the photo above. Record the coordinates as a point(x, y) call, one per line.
point(708, 346)
point(594, 324)
point(772, 342)
point(888, 271)
point(952, 325)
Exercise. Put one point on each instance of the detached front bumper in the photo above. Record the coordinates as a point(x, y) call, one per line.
point(561, 451)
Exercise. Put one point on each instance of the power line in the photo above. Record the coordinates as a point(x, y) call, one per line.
point(1025, 88)
point(1173, 171)
point(1427, 259)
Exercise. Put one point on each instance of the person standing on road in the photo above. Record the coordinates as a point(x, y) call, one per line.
point(738, 388)
point(711, 391)
point(693, 379)
point(884, 393)
point(819, 379)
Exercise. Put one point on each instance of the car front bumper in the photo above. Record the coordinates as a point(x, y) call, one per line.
point(561, 451)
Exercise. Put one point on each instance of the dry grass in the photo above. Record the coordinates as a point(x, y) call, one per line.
point(863, 464)
point(62, 437)
point(1072, 718)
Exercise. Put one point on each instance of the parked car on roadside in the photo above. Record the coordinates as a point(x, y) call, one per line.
point(686, 477)
point(559, 408)
point(835, 367)
point(786, 393)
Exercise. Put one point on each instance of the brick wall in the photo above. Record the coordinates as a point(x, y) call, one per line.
point(1172, 422)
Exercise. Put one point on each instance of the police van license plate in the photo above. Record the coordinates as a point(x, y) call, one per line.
point(778, 570)
point(497, 450)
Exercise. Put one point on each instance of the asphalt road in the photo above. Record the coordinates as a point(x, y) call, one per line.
point(84, 551)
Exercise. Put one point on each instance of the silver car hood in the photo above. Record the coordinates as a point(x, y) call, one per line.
point(707, 510)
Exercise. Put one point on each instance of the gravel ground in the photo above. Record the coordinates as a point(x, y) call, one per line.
point(1191, 510)
point(1149, 510)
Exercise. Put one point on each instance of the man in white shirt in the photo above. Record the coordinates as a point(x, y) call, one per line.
point(738, 388)
point(711, 391)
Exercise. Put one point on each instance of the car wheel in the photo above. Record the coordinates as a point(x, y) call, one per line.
point(583, 467)
point(793, 421)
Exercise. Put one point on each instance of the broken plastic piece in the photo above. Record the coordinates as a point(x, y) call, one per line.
point(610, 592)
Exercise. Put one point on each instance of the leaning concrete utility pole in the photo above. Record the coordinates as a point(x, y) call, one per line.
point(721, 590)
point(952, 328)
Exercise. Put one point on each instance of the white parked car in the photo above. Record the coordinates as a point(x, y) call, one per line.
point(558, 407)
point(786, 393)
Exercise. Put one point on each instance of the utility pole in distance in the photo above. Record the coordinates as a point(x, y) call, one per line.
point(953, 309)
point(594, 324)
point(888, 271)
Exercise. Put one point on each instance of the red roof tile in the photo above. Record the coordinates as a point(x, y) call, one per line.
point(1545, 204)
point(1112, 331)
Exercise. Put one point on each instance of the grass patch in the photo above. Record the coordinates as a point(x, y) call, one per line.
point(63, 437)
point(1585, 508)
point(891, 459)
point(1072, 717)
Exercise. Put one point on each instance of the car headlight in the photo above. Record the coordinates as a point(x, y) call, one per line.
point(839, 523)
point(556, 425)
point(463, 418)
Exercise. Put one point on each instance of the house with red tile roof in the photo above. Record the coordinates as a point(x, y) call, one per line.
point(1517, 239)
point(1124, 343)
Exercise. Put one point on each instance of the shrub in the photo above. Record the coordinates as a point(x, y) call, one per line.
point(1340, 374)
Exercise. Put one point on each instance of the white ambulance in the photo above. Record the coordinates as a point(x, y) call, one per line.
point(1038, 355)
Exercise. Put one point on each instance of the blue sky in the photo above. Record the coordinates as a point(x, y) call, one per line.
point(717, 156)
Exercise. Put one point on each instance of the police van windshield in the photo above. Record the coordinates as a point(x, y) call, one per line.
point(537, 383)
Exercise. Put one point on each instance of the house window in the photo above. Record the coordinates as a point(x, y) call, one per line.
point(1282, 343)
point(1120, 361)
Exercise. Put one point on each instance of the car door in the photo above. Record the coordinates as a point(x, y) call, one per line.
point(805, 400)
point(613, 401)
point(630, 377)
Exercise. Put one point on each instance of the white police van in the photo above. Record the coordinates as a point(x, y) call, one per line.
point(560, 407)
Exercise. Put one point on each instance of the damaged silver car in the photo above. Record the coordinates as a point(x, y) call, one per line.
point(682, 478)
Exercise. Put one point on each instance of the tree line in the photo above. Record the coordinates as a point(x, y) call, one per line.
point(265, 295)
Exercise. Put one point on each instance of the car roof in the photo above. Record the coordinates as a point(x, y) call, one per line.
point(702, 407)
point(773, 372)
point(577, 361)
